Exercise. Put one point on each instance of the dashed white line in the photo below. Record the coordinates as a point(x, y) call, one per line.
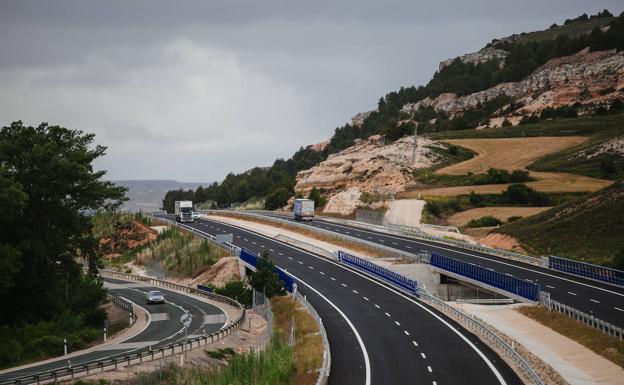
point(387, 314)
point(377, 306)
point(550, 287)
point(397, 323)
point(409, 247)
point(280, 253)
point(406, 332)
point(320, 272)
point(617, 308)
point(263, 246)
point(355, 291)
point(423, 355)
point(593, 300)
point(310, 267)
point(343, 284)
point(290, 258)
point(429, 369)
point(415, 343)
point(571, 293)
point(301, 263)
point(332, 278)
point(246, 240)
point(366, 298)
point(394, 243)
point(271, 250)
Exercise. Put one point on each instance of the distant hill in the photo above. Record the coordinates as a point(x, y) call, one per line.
point(589, 229)
point(147, 195)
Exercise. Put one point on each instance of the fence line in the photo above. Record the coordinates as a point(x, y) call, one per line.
point(588, 270)
point(102, 365)
point(306, 246)
point(326, 366)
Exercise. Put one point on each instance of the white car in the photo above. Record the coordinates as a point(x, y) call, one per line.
point(155, 296)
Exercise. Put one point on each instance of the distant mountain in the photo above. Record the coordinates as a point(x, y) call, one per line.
point(147, 195)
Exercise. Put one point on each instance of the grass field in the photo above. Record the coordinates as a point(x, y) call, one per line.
point(507, 153)
point(502, 213)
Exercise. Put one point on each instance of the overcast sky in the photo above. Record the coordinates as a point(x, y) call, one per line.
point(191, 90)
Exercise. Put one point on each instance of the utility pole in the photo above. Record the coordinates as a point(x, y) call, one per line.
point(415, 142)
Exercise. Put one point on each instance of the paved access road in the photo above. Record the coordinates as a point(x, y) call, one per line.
point(377, 335)
point(600, 299)
point(165, 327)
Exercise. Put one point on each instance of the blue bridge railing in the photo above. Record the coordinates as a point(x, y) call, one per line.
point(588, 270)
point(389, 276)
point(493, 278)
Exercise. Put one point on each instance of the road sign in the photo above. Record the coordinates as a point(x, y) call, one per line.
point(225, 238)
point(186, 319)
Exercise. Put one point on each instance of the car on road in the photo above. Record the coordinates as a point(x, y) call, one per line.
point(155, 296)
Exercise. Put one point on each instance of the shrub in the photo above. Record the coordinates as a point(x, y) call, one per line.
point(237, 291)
point(518, 176)
point(522, 194)
point(277, 199)
point(486, 221)
point(513, 218)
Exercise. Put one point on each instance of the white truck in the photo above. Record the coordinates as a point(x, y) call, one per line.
point(304, 209)
point(184, 211)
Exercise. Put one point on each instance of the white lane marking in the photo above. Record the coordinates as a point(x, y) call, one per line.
point(494, 370)
point(369, 237)
point(246, 240)
point(415, 343)
point(357, 335)
point(254, 242)
point(511, 275)
point(321, 273)
point(238, 236)
point(550, 287)
point(310, 267)
point(406, 332)
point(528, 280)
point(571, 293)
point(593, 300)
point(617, 308)
point(280, 253)
point(429, 369)
point(409, 247)
point(355, 291)
point(423, 355)
point(397, 323)
point(366, 298)
point(332, 278)
point(498, 261)
point(271, 250)
point(262, 246)
point(343, 285)
point(301, 263)
point(387, 314)
point(394, 243)
point(290, 258)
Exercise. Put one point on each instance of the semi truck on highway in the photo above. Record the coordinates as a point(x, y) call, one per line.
point(184, 211)
point(304, 209)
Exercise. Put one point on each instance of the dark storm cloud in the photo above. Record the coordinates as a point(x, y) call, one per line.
point(232, 84)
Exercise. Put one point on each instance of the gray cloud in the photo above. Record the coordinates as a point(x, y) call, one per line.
point(193, 90)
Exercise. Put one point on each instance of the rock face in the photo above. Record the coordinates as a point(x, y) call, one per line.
point(482, 56)
point(368, 166)
point(359, 118)
point(586, 78)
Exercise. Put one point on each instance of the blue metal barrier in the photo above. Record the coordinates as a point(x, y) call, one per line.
point(493, 278)
point(205, 288)
point(253, 259)
point(588, 270)
point(387, 275)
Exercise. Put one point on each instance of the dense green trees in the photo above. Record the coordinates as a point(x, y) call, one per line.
point(265, 279)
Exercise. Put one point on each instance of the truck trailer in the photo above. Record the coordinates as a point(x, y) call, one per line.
point(184, 211)
point(304, 209)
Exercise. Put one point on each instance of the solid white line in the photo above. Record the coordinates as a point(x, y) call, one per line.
point(494, 370)
point(593, 300)
point(357, 335)
point(617, 308)
point(495, 259)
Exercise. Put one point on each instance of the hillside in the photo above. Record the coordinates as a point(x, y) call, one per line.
point(147, 195)
point(589, 229)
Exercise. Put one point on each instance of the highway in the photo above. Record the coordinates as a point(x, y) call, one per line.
point(165, 327)
point(377, 335)
point(600, 299)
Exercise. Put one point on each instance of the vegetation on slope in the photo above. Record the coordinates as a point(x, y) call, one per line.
point(588, 229)
point(47, 183)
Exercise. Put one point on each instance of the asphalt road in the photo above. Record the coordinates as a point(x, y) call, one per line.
point(600, 299)
point(377, 335)
point(165, 327)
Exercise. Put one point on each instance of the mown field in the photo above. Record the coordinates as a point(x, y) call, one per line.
point(502, 213)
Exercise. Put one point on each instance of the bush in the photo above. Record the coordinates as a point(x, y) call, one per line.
point(522, 194)
point(513, 219)
point(277, 199)
point(486, 221)
point(519, 176)
point(237, 291)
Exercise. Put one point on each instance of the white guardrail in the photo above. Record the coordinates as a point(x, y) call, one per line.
point(326, 364)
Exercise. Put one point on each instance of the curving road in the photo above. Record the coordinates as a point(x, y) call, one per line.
point(600, 299)
point(163, 329)
point(377, 335)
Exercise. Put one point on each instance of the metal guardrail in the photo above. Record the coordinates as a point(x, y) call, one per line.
point(99, 366)
point(384, 250)
point(587, 270)
point(306, 246)
point(326, 365)
point(121, 302)
point(484, 330)
point(486, 301)
point(587, 319)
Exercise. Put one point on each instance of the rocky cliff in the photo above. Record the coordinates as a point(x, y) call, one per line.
point(590, 79)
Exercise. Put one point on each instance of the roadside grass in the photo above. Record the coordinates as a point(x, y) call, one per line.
point(608, 347)
point(503, 213)
point(308, 349)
